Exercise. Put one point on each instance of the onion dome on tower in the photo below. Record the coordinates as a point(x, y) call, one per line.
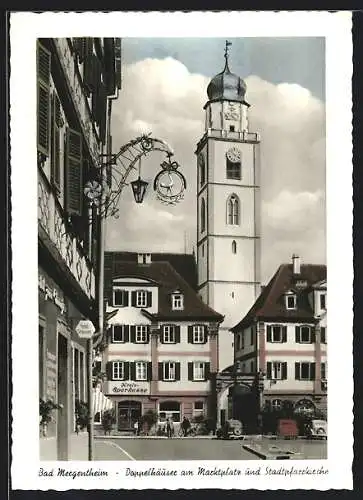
point(227, 86)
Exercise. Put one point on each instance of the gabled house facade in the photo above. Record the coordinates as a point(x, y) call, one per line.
point(162, 342)
point(75, 77)
point(284, 335)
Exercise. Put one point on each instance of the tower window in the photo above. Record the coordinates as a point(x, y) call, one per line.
point(234, 247)
point(202, 216)
point(201, 170)
point(233, 211)
point(233, 170)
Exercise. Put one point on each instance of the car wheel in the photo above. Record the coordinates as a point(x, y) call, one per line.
point(237, 432)
point(320, 431)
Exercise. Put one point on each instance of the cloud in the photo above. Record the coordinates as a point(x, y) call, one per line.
point(162, 96)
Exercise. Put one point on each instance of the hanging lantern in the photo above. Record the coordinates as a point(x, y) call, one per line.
point(139, 189)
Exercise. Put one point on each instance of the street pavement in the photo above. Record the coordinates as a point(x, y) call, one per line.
point(116, 449)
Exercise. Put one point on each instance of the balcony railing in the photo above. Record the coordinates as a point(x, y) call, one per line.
point(244, 136)
point(52, 219)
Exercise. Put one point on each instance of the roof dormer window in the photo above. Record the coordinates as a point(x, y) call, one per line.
point(177, 301)
point(290, 301)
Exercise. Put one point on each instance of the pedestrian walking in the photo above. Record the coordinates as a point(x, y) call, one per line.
point(136, 428)
point(169, 428)
point(185, 426)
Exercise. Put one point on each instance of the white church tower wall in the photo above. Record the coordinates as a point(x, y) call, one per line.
point(228, 229)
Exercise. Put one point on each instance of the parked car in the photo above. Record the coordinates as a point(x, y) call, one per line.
point(231, 429)
point(317, 429)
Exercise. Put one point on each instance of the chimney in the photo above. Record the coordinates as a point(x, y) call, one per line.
point(140, 258)
point(295, 264)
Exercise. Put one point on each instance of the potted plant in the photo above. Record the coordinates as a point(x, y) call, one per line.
point(148, 420)
point(46, 408)
point(108, 419)
point(81, 411)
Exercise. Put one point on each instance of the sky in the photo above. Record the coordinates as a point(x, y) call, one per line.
point(164, 86)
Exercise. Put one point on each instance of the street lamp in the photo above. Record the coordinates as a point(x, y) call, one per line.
point(104, 193)
point(85, 330)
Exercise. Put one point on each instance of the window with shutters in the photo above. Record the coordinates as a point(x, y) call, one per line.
point(141, 298)
point(118, 370)
point(119, 333)
point(141, 370)
point(304, 334)
point(74, 173)
point(276, 370)
point(169, 371)
point(120, 298)
point(305, 371)
point(141, 334)
point(198, 370)
point(275, 333)
point(169, 334)
point(198, 334)
point(43, 99)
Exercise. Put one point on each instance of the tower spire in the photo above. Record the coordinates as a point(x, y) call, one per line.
point(226, 50)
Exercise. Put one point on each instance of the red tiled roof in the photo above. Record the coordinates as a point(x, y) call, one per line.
point(184, 264)
point(270, 305)
point(168, 280)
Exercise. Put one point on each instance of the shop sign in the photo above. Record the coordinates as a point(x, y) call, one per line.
point(51, 293)
point(121, 388)
point(51, 375)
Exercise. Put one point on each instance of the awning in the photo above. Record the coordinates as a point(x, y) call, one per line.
point(100, 402)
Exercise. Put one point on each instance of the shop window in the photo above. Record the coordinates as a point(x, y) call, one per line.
point(169, 409)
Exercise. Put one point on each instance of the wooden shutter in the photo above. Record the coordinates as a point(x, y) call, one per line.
point(177, 371)
point(323, 371)
point(132, 371)
point(323, 335)
point(109, 334)
point(126, 370)
point(269, 370)
point(109, 370)
point(190, 335)
point(88, 65)
point(126, 333)
point(206, 371)
point(177, 334)
point(160, 371)
point(125, 298)
point(149, 370)
point(74, 177)
point(269, 333)
point(312, 371)
point(297, 371)
point(297, 334)
point(132, 333)
point(133, 299)
point(55, 159)
point(312, 335)
point(284, 370)
point(284, 334)
point(190, 371)
point(118, 77)
point(43, 99)
point(205, 335)
point(161, 337)
point(148, 299)
point(147, 335)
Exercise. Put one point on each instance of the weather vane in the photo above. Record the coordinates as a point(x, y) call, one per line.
point(228, 44)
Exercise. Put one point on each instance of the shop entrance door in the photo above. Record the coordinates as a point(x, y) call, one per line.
point(128, 413)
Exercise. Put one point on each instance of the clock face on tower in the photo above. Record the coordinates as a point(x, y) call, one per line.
point(234, 155)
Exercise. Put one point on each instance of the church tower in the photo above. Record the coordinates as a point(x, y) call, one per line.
point(228, 193)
